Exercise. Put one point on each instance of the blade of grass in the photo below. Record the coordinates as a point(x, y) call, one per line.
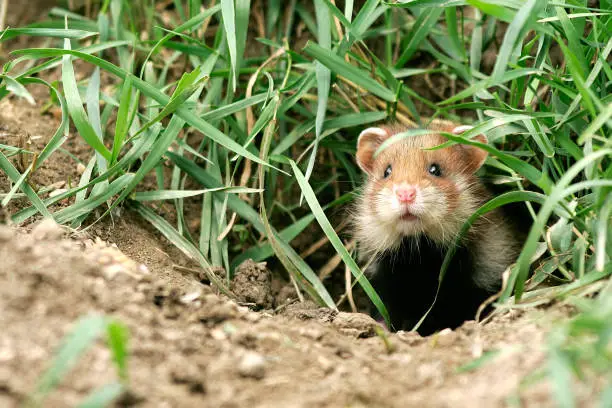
point(83, 335)
point(14, 175)
point(560, 190)
point(421, 28)
point(93, 112)
point(135, 153)
point(294, 265)
point(181, 243)
point(348, 71)
point(242, 11)
point(117, 339)
point(521, 23)
point(46, 32)
point(75, 107)
point(174, 194)
point(323, 75)
point(603, 226)
point(16, 186)
point(17, 88)
point(316, 209)
point(123, 123)
point(93, 201)
point(103, 396)
point(229, 24)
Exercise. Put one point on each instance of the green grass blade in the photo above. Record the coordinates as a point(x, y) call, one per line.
point(560, 372)
point(135, 153)
point(179, 97)
point(519, 26)
point(93, 201)
point(17, 88)
point(229, 24)
point(123, 123)
point(554, 197)
point(117, 339)
point(16, 186)
point(174, 194)
point(292, 262)
point(190, 24)
point(603, 227)
point(181, 243)
point(261, 252)
point(421, 28)
point(13, 174)
point(103, 396)
point(316, 209)
point(229, 109)
point(45, 32)
point(323, 75)
point(603, 119)
point(93, 113)
point(234, 203)
point(242, 10)
point(75, 107)
point(339, 66)
point(81, 337)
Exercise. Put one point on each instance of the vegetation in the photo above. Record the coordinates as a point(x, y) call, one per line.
point(252, 112)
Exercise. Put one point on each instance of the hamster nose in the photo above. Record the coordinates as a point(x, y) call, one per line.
point(405, 195)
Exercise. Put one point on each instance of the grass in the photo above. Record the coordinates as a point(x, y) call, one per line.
point(82, 337)
point(261, 97)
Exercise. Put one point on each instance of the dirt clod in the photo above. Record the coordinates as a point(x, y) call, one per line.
point(355, 324)
point(252, 365)
point(252, 284)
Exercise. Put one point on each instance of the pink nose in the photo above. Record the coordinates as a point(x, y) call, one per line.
point(405, 194)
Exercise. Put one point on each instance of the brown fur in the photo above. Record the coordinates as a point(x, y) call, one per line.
point(447, 201)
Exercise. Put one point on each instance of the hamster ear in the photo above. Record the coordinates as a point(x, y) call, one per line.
point(475, 156)
point(369, 140)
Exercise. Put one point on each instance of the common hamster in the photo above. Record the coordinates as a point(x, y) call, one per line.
point(410, 212)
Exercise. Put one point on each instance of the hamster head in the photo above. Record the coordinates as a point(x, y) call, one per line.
point(411, 191)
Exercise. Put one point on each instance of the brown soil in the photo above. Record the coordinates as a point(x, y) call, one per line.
point(190, 347)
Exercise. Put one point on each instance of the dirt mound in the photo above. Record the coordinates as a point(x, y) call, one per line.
point(190, 347)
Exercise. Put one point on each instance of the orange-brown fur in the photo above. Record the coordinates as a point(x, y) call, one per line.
point(446, 201)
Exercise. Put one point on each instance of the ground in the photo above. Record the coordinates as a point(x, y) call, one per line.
point(189, 346)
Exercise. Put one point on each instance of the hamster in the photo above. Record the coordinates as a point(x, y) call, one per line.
point(410, 212)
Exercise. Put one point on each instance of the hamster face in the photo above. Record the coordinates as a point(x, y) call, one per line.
point(412, 191)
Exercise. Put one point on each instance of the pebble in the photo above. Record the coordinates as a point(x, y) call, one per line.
point(410, 338)
point(326, 364)
point(252, 365)
point(356, 324)
point(445, 338)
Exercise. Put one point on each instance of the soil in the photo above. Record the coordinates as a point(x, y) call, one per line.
point(189, 346)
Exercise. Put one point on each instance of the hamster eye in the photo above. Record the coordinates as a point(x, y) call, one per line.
point(434, 170)
point(387, 171)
